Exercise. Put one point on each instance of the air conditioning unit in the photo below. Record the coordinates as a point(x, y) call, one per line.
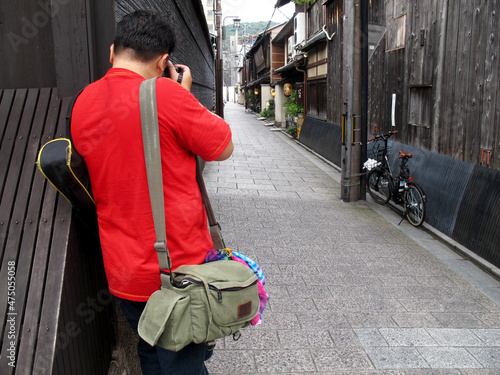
point(299, 28)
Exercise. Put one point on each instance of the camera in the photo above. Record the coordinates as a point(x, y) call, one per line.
point(166, 73)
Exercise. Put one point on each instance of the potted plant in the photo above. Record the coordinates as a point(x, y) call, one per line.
point(249, 100)
point(293, 110)
point(293, 130)
point(268, 112)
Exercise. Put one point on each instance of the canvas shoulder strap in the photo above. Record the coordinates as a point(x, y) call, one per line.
point(152, 154)
point(151, 141)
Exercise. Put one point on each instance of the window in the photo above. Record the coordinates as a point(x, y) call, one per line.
point(396, 33)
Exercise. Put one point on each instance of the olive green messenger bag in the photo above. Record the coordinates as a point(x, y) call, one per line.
point(196, 303)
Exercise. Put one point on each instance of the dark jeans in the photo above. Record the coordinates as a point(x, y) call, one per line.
point(158, 361)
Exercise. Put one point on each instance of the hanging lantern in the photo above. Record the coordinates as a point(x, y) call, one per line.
point(287, 89)
point(273, 93)
point(256, 91)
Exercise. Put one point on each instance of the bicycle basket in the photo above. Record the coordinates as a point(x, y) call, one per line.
point(377, 151)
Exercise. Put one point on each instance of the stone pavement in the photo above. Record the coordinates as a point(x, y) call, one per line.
point(351, 291)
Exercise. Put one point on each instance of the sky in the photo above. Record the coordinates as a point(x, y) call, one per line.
point(256, 10)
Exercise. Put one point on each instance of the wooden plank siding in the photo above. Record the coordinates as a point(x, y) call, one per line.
point(335, 77)
point(277, 60)
point(421, 51)
point(194, 47)
point(449, 114)
point(490, 135)
point(71, 52)
point(445, 79)
point(25, 27)
point(54, 43)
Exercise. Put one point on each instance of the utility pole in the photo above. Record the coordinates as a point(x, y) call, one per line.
point(353, 124)
point(364, 91)
point(219, 101)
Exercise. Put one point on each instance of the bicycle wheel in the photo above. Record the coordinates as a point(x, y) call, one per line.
point(414, 205)
point(378, 186)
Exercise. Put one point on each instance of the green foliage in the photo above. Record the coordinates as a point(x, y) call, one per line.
point(292, 108)
point(303, 2)
point(250, 100)
point(269, 111)
point(292, 130)
point(249, 97)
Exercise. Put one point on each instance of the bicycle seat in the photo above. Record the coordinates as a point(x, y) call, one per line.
point(403, 154)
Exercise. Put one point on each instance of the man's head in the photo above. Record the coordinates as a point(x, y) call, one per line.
point(144, 35)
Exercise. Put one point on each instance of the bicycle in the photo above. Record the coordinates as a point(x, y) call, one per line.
point(383, 185)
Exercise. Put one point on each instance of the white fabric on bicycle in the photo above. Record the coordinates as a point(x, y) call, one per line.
point(371, 163)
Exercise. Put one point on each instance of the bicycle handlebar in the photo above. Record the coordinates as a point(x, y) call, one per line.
point(384, 136)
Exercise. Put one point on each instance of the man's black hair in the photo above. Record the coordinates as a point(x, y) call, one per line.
point(147, 34)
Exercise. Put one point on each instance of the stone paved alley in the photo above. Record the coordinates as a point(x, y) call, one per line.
point(351, 292)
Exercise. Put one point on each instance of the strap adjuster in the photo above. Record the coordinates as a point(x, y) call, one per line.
point(161, 246)
point(163, 259)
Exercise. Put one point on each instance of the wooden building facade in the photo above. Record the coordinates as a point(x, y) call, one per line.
point(59, 317)
point(440, 58)
point(433, 75)
point(259, 65)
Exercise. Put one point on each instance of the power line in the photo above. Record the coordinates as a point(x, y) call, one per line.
point(267, 27)
point(288, 18)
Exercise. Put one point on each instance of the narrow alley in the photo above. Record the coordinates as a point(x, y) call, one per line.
point(351, 292)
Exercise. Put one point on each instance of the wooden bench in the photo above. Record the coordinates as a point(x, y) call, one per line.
point(59, 319)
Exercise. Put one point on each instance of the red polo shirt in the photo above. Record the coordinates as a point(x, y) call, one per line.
point(106, 130)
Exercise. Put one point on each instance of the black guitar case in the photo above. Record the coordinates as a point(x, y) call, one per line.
point(65, 169)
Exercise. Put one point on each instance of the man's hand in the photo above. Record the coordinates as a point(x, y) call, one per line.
point(187, 79)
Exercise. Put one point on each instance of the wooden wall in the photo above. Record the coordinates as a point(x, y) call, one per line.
point(440, 60)
point(277, 60)
point(445, 76)
point(22, 36)
point(66, 44)
point(335, 78)
point(194, 47)
point(55, 43)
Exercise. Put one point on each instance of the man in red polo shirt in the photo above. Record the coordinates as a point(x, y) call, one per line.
point(106, 131)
